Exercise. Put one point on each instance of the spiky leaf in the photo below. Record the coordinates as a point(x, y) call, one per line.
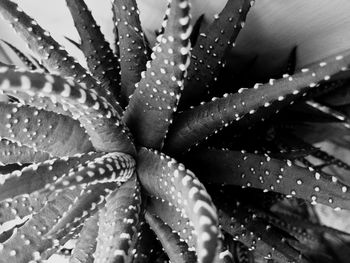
point(154, 101)
point(162, 176)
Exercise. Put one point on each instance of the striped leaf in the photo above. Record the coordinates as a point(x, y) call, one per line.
point(176, 249)
point(101, 121)
point(174, 218)
point(66, 172)
point(164, 177)
point(119, 220)
point(54, 57)
point(207, 56)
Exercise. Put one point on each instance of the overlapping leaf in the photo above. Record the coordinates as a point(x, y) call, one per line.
point(101, 61)
point(155, 99)
point(163, 177)
point(118, 224)
point(207, 56)
point(101, 121)
point(263, 172)
point(131, 45)
point(193, 126)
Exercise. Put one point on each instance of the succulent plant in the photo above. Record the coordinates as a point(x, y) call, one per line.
point(87, 154)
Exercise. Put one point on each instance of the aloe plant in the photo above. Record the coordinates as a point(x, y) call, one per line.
point(88, 154)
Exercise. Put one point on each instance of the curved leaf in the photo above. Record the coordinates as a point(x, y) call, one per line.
point(24, 59)
point(154, 101)
point(101, 61)
point(86, 243)
point(176, 249)
point(14, 153)
point(88, 201)
point(192, 126)
point(163, 177)
point(130, 43)
point(54, 57)
point(265, 241)
point(207, 57)
point(41, 130)
point(174, 218)
point(262, 172)
point(27, 242)
point(21, 206)
point(101, 121)
point(119, 220)
point(72, 171)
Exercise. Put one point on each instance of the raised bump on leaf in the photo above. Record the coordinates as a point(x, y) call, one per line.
point(174, 217)
point(130, 43)
point(163, 177)
point(11, 152)
point(241, 222)
point(119, 220)
point(146, 243)
point(155, 99)
point(27, 242)
point(100, 58)
point(262, 172)
point(41, 130)
point(87, 202)
point(176, 249)
point(86, 243)
point(258, 236)
point(21, 206)
point(66, 172)
point(208, 53)
point(54, 57)
point(196, 124)
point(101, 120)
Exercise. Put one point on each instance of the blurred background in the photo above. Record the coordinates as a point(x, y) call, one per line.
point(318, 28)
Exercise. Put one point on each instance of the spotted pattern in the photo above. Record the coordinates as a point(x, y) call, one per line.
point(27, 240)
point(86, 243)
point(40, 130)
point(68, 172)
point(176, 249)
point(130, 43)
point(100, 58)
point(174, 218)
point(54, 57)
point(195, 125)
point(269, 174)
point(157, 94)
point(11, 152)
point(207, 57)
point(101, 121)
point(118, 224)
point(20, 207)
point(57, 222)
point(243, 225)
point(164, 177)
point(77, 190)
